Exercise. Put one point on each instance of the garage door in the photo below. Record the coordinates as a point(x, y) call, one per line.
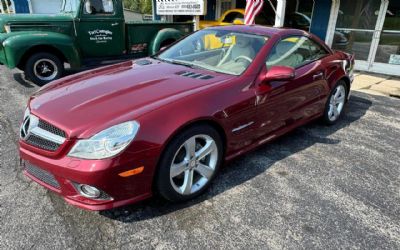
point(45, 7)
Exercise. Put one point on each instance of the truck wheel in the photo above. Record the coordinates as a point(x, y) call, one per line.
point(42, 68)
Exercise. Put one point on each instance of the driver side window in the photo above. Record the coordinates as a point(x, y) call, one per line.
point(295, 52)
point(96, 7)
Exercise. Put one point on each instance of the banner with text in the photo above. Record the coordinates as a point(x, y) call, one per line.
point(181, 7)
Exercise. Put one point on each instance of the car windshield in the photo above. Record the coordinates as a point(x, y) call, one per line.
point(216, 50)
point(70, 6)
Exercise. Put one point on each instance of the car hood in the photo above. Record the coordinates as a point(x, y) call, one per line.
point(91, 101)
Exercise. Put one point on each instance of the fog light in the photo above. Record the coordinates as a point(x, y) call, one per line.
point(89, 191)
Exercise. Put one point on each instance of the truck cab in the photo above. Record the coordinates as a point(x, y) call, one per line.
point(85, 33)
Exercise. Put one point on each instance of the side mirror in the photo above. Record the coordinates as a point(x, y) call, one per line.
point(279, 73)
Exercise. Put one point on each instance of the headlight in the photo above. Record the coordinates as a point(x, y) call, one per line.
point(107, 143)
point(7, 28)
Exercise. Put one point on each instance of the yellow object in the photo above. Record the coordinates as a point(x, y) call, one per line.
point(220, 21)
point(212, 42)
point(132, 172)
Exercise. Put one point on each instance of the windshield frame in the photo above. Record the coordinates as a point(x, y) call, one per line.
point(193, 65)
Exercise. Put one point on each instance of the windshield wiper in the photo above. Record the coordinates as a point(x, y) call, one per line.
point(179, 62)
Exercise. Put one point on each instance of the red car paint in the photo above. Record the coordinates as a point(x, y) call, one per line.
point(164, 103)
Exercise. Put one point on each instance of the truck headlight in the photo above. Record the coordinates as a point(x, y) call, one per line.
point(107, 143)
point(7, 28)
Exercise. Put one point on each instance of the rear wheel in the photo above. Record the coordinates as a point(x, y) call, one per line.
point(189, 163)
point(336, 103)
point(42, 68)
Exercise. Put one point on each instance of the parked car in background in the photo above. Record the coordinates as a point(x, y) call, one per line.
point(84, 33)
point(165, 124)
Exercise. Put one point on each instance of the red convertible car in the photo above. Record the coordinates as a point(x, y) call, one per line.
point(165, 124)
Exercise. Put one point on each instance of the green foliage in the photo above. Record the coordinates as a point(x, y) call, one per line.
point(141, 6)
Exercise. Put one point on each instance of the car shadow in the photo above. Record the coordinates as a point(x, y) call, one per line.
point(233, 174)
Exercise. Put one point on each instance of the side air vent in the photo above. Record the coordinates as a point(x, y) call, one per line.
point(194, 75)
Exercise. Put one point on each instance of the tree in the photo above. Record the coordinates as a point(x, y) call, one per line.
point(141, 6)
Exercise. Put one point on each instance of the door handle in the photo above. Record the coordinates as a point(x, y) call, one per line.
point(318, 76)
point(114, 24)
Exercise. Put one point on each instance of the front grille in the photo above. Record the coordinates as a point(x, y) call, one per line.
point(51, 128)
point(41, 134)
point(42, 175)
point(42, 143)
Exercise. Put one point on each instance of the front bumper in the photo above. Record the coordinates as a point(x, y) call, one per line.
point(59, 175)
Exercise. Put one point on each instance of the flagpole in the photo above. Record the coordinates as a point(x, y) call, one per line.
point(196, 22)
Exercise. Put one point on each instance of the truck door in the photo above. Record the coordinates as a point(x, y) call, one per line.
point(101, 28)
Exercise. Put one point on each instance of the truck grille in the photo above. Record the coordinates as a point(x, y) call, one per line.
point(42, 175)
point(41, 134)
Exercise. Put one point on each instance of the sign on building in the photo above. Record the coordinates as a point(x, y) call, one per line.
point(181, 7)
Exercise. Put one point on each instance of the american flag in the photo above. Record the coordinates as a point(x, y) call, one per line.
point(253, 7)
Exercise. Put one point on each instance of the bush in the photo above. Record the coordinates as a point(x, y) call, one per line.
point(141, 6)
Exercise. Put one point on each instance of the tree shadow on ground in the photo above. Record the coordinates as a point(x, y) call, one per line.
point(233, 174)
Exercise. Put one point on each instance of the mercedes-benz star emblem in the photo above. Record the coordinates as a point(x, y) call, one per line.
point(25, 128)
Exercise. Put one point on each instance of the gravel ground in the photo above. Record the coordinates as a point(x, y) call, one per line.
point(315, 188)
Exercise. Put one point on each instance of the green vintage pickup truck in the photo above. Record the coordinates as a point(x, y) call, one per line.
point(85, 33)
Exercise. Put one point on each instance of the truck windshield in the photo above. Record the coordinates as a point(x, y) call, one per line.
point(222, 51)
point(70, 6)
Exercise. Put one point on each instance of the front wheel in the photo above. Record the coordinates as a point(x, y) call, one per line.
point(42, 68)
point(336, 103)
point(189, 163)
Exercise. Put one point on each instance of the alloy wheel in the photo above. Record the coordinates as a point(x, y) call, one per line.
point(336, 103)
point(194, 164)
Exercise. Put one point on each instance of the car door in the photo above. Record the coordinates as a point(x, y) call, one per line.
point(285, 103)
point(101, 29)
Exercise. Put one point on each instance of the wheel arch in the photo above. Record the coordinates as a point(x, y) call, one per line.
point(17, 46)
point(167, 34)
point(41, 49)
point(347, 81)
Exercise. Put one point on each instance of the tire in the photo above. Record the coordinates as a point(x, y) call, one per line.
point(335, 104)
point(171, 182)
point(42, 68)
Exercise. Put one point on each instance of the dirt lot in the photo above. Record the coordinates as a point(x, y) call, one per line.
point(318, 187)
